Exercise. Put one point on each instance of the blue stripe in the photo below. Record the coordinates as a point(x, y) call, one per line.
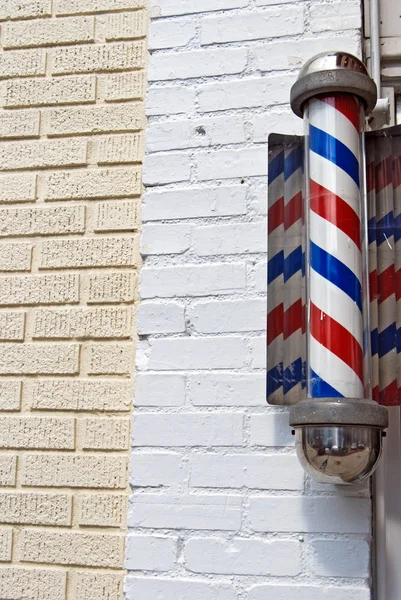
point(372, 230)
point(293, 374)
point(335, 151)
point(336, 272)
point(274, 379)
point(397, 228)
point(385, 228)
point(293, 263)
point(387, 340)
point(398, 340)
point(276, 166)
point(292, 162)
point(321, 389)
point(374, 341)
point(275, 266)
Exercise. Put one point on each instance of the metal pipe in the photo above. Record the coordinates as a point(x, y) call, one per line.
point(374, 16)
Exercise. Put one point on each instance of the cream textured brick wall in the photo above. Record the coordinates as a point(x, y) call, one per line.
point(72, 79)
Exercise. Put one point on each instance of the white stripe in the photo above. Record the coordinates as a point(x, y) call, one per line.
point(384, 200)
point(387, 369)
point(332, 121)
point(294, 395)
point(294, 347)
point(334, 371)
point(276, 397)
point(335, 242)
point(275, 293)
point(293, 289)
point(276, 189)
point(387, 313)
point(326, 173)
point(292, 185)
point(336, 304)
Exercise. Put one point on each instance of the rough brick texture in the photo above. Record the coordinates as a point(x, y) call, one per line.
point(72, 87)
point(212, 464)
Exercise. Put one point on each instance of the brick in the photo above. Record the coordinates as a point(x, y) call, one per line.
point(76, 6)
point(197, 63)
point(168, 167)
point(99, 183)
point(6, 541)
point(92, 252)
point(19, 124)
point(40, 584)
point(248, 92)
point(97, 586)
point(110, 359)
point(123, 26)
point(265, 123)
point(257, 471)
point(142, 549)
point(72, 548)
point(52, 91)
point(190, 429)
point(169, 588)
point(153, 317)
point(197, 353)
point(102, 510)
point(8, 469)
point(227, 390)
point(227, 315)
point(105, 434)
point(192, 280)
point(125, 86)
point(120, 56)
point(74, 470)
point(21, 9)
point(166, 8)
point(111, 287)
point(156, 469)
point(306, 592)
point(193, 133)
point(321, 515)
point(38, 359)
point(55, 153)
point(340, 558)
point(10, 394)
point(79, 394)
point(15, 257)
point(271, 429)
point(22, 63)
point(215, 512)
point(226, 164)
point(42, 220)
point(252, 26)
point(108, 322)
point(170, 100)
point(150, 390)
point(194, 202)
point(257, 347)
point(241, 238)
point(35, 509)
point(48, 32)
point(12, 326)
point(120, 149)
point(171, 33)
point(17, 188)
point(165, 238)
point(39, 289)
point(333, 17)
point(37, 432)
point(95, 119)
point(258, 276)
point(116, 216)
point(243, 556)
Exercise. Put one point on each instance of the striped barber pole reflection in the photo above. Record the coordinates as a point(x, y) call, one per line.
point(275, 277)
point(335, 256)
point(372, 260)
point(397, 237)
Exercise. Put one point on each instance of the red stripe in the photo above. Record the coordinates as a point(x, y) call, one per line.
point(293, 318)
point(397, 172)
point(346, 104)
point(398, 284)
point(275, 321)
point(293, 211)
point(276, 214)
point(386, 283)
point(373, 285)
point(375, 393)
point(370, 177)
point(384, 174)
point(389, 396)
point(337, 339)
point(331, 207)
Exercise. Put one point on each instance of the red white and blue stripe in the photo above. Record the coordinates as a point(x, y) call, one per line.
point(335, 256)
point(397, 236)
point(372, 260)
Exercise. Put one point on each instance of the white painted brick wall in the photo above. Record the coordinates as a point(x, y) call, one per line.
point(219, 498)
